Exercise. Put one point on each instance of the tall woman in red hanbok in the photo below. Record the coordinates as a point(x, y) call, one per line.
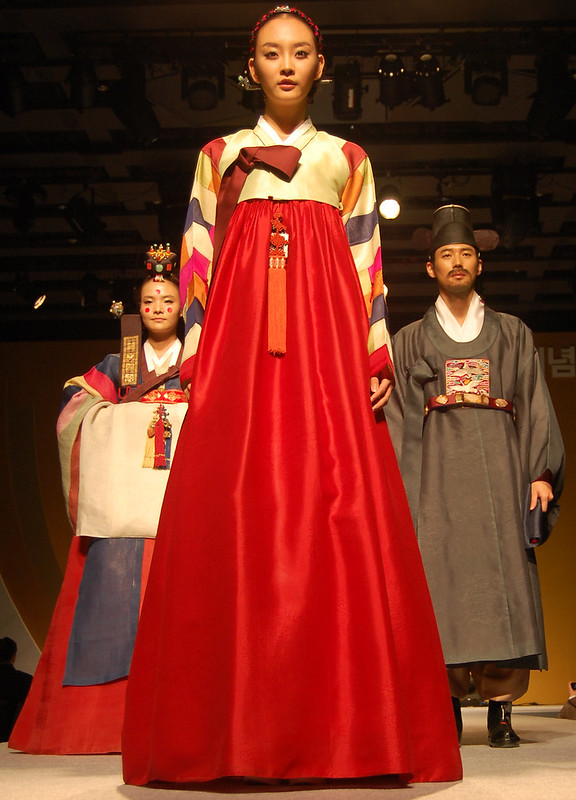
point(287, 617)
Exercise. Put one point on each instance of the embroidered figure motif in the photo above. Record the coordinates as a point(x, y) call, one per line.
point(159, 435)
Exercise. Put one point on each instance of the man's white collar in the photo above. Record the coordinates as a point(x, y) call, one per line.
point(472, 325)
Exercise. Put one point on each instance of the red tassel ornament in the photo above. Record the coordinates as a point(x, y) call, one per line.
point(278, 254)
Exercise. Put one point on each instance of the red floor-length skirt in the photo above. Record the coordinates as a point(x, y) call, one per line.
point(61, 720)
point(287, 629)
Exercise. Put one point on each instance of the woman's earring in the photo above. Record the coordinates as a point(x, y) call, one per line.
point(245, 83)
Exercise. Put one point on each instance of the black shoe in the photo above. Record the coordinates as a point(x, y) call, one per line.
point(500, 730)
point(457, 716)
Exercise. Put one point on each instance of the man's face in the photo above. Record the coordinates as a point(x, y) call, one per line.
point(455, 267)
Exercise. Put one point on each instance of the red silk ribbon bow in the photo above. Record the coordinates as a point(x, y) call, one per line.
point(280, 158)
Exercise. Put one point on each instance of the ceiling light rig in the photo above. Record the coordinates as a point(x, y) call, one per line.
point(203, 85)
point(415, 78)
point(515, 207)
point(127, 99)
point(23, 194)
point(394, 80)
point(486, 80)
point(13, 90)
point(429, 77)
point(31, 292)
point(555, 94)
point(135, 112)
point(89, 289)
point(83, 83)
point(348, 89)
point(80, 214)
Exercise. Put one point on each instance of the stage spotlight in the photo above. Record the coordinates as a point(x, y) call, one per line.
point(23, 193)
point(202, 94)
point(517, 218)
point(82, 218)
point(83, 83)
point(393, 79)
point(13, 87)
point(32, 293)
point(135, 112)
point(389, 202)
point(23, 218)
point(203, 85)
point(89, 286)
point(40, 299)
point(555, 95)
point(486, 80)
point(347, 99)
point(127, 98)
point(428, 75)
point(514, 207)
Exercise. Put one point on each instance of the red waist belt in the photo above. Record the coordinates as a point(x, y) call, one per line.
point(468, 400)
point(167, 396)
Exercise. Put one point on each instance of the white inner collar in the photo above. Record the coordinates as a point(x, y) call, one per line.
point(472, 325)
point(296, 133)
point(161, 364)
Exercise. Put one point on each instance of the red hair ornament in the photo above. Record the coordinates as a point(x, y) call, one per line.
point(295, 12)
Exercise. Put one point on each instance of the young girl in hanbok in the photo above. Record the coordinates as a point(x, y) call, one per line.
point(287, 630)
point(115, 445)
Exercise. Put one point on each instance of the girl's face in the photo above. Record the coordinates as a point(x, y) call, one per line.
point(160, 308)
point(285, 61)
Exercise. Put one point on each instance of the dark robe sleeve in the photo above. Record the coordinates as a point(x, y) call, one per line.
point(539, 436)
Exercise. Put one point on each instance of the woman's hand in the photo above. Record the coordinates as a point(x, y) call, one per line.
point(540, 490)
point(380, 391)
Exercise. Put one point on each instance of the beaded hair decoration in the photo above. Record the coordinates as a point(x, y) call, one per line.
point(161, 262)
point(286, 10)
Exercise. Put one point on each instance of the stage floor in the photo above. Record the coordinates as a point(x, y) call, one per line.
point(542, 768)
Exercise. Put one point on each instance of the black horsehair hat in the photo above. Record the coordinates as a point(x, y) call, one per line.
point(451, 224)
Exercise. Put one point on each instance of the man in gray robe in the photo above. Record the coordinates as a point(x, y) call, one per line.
point(478, 445)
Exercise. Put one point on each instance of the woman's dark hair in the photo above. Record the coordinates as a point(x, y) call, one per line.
point(168, 278)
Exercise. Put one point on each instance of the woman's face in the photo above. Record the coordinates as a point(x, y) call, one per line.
point(160, 308)
point(286, 63)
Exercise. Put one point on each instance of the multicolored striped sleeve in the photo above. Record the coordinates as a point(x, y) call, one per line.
point(360, 219)
point(79, 395)
point(198, 249)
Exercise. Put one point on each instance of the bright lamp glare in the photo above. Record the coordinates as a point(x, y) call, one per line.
point(389, 208)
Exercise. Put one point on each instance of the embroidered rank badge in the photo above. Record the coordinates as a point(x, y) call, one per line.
point(470, 375)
